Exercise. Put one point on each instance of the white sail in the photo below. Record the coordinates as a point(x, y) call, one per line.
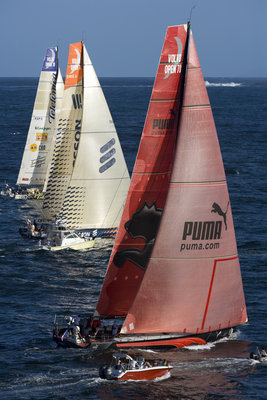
point(100, 179)
point(89, 179)
point(37, 152)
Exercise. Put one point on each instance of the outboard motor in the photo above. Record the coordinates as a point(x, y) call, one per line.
point(108, 372)
point(102, 371)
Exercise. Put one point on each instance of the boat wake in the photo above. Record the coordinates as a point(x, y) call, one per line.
point(210, 345)
point(162, 378)
point(225, 364)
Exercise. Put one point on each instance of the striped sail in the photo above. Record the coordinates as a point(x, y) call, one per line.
point(67, 135)
point(192, 283)
point(38, 148)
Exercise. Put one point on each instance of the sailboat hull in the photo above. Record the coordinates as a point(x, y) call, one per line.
point(170, 341)
point(99, 233)
point(143, 374)
point(88, 244)
point(161, 342)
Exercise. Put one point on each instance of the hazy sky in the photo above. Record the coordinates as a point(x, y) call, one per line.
point(125, 37)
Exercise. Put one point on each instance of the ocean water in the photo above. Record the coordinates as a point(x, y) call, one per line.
point(36, 285)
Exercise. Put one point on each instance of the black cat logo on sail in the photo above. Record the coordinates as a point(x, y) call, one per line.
point(107, 159)
point(143, 224)
point(217, 209)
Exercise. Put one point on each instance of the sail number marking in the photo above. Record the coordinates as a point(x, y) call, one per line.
point(77, 137)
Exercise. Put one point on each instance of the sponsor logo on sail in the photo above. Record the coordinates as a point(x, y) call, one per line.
point(52, 105)
point(33, 147)
point(38, 162)
point(174, 65)
point(143, 224)
point(77, 101)
point(42, 147)
point(107, 159)
point(42, 128)
point(204, 235)
point(163, 126)
point(77, 139)
point(50, 60)
point(41, 136)
point(75, 62)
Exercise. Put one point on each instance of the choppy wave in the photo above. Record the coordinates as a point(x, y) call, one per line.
point(36, 285)
point(222, 84)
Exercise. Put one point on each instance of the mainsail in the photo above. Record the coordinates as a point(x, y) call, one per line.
point(149, 182)
point(37, 152)
point(190, 282)
point(193, 278)
point(89, 167)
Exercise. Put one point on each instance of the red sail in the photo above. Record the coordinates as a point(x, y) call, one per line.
point(149, 182)
point(192, 283)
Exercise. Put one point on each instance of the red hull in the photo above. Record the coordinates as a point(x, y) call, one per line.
point(148, 374)
point(177, 343)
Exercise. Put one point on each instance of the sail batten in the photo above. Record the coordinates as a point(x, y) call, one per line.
point(228, 256)
point(204, 183)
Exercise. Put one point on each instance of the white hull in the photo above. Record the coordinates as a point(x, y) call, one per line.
point(80, 246)
point(61, 238)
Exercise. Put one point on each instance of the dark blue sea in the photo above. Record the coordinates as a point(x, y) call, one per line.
point(36, 285)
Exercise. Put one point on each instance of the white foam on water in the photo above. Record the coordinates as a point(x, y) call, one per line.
point(148, 351)
point(226, 365)
point(222, 84)
point(198, 347)
point(162, 378)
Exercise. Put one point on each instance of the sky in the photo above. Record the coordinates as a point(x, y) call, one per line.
point(124, 38)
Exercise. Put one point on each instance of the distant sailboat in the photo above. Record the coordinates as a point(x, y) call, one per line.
point(88, 179)
point(38, 148)
point(174, 274)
